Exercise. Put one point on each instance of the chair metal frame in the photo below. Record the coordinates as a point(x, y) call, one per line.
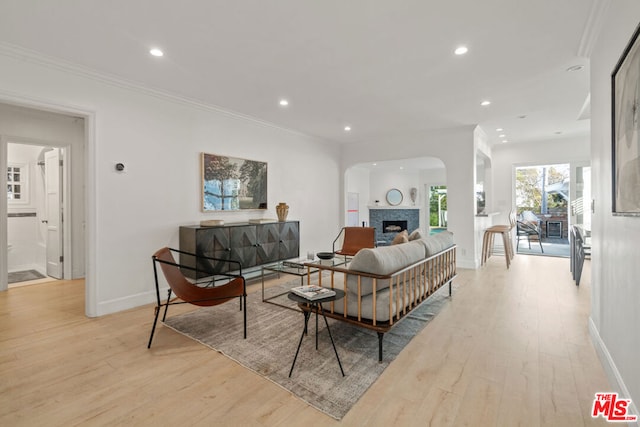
point(202, 293)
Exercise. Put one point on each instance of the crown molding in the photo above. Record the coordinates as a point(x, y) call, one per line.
point(23, 54)
point(592, 27)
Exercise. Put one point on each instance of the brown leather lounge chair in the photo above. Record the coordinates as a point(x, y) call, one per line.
point(208, 293)
point(355, 238)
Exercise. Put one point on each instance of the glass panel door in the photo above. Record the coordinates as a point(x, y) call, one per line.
point(581, 197)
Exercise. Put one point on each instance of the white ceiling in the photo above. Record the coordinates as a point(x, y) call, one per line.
point(380, 66)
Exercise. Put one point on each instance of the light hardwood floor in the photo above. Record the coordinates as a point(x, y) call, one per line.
point(512, 348)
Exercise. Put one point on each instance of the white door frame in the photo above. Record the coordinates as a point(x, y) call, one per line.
point(91, 267)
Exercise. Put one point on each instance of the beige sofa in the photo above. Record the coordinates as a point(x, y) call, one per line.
point(384, 284)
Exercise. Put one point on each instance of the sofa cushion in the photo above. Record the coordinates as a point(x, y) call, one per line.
point(415, 235)
point(386, 260)
point(437, 242)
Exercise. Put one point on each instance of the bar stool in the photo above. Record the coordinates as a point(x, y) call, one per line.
point(489, 239)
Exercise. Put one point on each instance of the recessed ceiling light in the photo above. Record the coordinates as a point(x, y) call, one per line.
point(504, 141)
point(284, 102)
point(485, 103)
point(499, 130)
point(501, 135)
point(156, 52)
point(401, 167)
point(347, 128)
point(575, 68)
point(375, 164)
point(461, 50)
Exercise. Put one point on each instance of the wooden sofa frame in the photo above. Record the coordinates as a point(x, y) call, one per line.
point(410, 287)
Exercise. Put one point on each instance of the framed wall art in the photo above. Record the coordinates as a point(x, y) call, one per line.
point(625, 129)
point(231, 184)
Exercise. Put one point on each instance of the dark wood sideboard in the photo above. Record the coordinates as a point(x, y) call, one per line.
point(250, 244)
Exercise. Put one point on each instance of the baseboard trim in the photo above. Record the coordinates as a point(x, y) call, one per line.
point(468, 263)
point(128, 302)
point(610, 369)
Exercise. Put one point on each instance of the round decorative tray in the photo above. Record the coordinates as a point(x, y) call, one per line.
point(325, 255)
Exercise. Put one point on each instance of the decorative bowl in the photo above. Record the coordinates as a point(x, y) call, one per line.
point(325, 255)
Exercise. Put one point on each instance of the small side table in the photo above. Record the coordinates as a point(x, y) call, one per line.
point(317, 305)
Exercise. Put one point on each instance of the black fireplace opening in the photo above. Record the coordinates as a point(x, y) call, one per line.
point(393, 226)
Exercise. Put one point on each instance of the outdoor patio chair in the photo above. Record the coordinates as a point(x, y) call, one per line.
point(207, 293)
point(529, 231)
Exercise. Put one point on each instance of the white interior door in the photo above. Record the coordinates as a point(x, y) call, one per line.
point(53, 180)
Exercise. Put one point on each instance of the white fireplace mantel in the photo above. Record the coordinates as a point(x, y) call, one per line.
point(393, 207)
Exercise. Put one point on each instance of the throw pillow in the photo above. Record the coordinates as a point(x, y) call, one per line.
point(402, 237)
point(415, 234)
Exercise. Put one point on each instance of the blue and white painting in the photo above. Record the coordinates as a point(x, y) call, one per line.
point(230, 183)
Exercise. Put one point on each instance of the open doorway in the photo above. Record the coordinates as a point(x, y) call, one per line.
point(44, 135)
point(437, 208)
point(35, 183)
point(542, 203)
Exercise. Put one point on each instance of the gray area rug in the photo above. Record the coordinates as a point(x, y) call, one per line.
point(273, 334)
point(24, 276)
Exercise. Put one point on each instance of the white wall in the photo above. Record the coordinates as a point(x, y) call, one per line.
point(455, 148)
point(24, 251)
point(483, 173)
point(384, 180)
point(615, 267)
point(159, 139)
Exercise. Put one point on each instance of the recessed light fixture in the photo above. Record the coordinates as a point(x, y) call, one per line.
point(401, 167)
point(347, 128)
point(156, 52)
point(501, 135)
point(461, 50)
point(575, 68)
point(499, 130)
point(504, 141)
point(375, 164)
point(485, 103)
point(284, 102)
